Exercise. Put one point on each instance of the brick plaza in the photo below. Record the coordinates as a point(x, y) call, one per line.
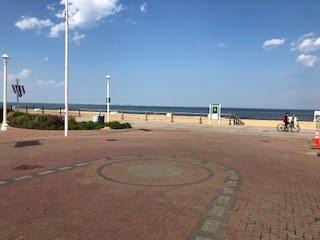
point(162, 183)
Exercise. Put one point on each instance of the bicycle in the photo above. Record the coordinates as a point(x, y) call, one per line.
point(293, 128)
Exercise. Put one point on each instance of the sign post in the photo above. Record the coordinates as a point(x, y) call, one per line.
point(17, 81)
point(19, 91)
point(215, 113)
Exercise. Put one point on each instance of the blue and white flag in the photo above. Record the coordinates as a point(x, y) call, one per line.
point(18, 90)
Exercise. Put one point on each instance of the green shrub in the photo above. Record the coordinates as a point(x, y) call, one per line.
point(117, 125)
point(53, 122)
point(40, 119)
point(17, 114)
point(22, 121)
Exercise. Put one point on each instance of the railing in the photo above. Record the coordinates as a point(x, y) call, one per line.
point(233, 119)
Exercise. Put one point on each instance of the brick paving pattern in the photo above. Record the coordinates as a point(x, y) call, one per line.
point(257, 189)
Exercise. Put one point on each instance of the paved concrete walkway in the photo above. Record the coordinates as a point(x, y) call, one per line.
point(159, 181)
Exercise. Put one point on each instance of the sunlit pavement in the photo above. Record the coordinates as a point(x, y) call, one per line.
point(159, 181)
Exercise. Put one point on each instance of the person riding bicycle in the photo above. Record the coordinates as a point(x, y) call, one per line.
point(286, 121)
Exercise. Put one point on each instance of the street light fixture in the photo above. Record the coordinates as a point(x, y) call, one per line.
point(108, 100)
point(5, 59)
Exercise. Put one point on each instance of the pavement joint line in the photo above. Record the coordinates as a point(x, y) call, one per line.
point(81, 164)
point(13, 180)
point(65, 168)
point(3, 182)
point(214, 220)
point(45, 172)
point(22, 177)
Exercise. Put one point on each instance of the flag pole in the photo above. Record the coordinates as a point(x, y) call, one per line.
point(66, 71)
point(17, 81)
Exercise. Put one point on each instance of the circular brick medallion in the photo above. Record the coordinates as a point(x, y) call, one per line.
point(156, 173)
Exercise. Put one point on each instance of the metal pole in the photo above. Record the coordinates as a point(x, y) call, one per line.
point(108, 97)
point(4, 125)
point(17, 81)
point(108, 103)
point(66, 72)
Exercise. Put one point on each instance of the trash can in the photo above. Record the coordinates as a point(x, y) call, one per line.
point(98, 119)
point(101, 119)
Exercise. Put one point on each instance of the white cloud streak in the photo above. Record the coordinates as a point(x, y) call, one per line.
point(143, 7)
point(86, 13)
point(273, 43)
point(220, 44)
point(307, 43)
point(49, 83)
point(77, 37)
point(307, 60)
point(24, 74)
point(82, 14)
point(32, 23)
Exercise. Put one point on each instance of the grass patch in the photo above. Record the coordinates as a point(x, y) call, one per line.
point(54, 122)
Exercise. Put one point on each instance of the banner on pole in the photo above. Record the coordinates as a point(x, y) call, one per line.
point(18, 90)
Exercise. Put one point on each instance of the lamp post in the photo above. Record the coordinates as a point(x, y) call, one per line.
point(108, 100)
point(66, 70)
point(5, 59)
point(17, 82)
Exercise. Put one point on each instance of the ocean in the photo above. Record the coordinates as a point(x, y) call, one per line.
point(242, 113)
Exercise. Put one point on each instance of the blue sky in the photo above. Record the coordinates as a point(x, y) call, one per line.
point(244, 53)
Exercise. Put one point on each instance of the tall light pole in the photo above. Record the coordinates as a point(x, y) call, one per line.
point(5, 59)
point(66, 70)
point(108, 100)
point(17, 82)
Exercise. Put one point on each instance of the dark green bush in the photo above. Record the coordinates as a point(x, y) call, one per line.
point(40, 119)
point(117, 125)
point(53, 122)
point(16, 114)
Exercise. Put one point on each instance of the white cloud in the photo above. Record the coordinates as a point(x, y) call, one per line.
point(131, 21)
point(49, 83)
point(32, 23)
point(24, 74)
point(273, 43)
point(86, 13)
point(51, 8)
point(46, 59)
point(220, 44)
point(60, 84)
point(307, 43)
point(77, 37)
point(82, 14)
point(307, 60)
point(143, 7)
point(55, 30)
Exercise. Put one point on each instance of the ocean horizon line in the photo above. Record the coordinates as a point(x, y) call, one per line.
point(165, 106)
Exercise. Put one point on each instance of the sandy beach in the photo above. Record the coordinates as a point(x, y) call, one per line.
point(130, 117)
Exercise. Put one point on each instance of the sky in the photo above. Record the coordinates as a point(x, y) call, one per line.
point(248, 53)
